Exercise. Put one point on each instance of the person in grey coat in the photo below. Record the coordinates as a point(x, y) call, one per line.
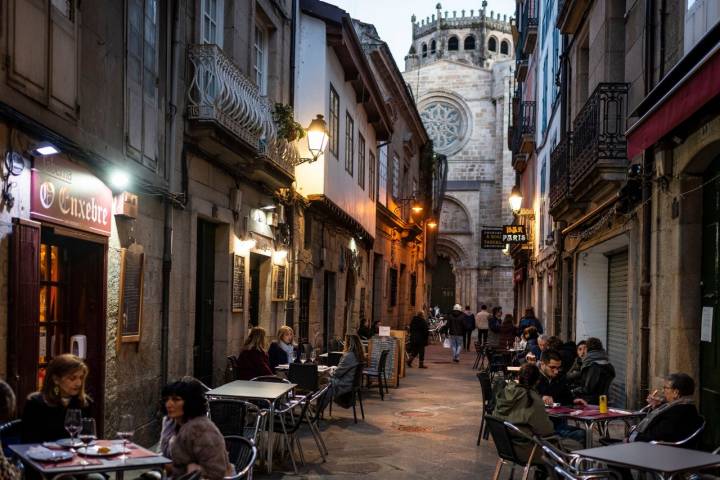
point(344, 376)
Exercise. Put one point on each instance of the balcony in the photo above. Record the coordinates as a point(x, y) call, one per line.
point(222, 98)
point(523, 135)
point(599, 153)
point(560, 174)
point(521, 64)
point(528, 26)
point(571, 14)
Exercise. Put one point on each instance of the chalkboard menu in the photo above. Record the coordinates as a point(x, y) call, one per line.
point(376, 345)
point(238, 283)
point(131, 293)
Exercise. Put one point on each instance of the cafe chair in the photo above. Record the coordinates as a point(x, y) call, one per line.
point(479, 356)
point(289, 425)
point(686, 442)
point(356, 392)
point(242, 454)
point(237, 418)
point(486, 390)
point(195, 475)
point(570, 466)
point(305, 376)
point(334, 359)
point(380, 373)
point(505, 435)
point(317, 402)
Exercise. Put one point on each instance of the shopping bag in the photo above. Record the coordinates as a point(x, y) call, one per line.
point(446, 342)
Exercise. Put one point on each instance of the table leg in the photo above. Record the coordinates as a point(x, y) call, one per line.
point(271, 437)
point(588, 433)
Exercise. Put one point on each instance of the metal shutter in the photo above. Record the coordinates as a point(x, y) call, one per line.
point(617, 324)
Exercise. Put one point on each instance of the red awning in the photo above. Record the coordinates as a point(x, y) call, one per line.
point(689, 96)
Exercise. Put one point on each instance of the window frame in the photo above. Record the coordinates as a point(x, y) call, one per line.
point(470, 37)
point(489, 45)
point(334, 122)
point(361, 161)
point(220, 10)
point(349, 143)
point(260, 58)
point(372, 176)
point(395, 180)
point(457, 44)
point(506, 44)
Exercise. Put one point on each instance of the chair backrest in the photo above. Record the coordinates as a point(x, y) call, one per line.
point(306, 348)
point(502, 439)
point(334, 359)
point(270, 379)
point(236, 417)
point(358, 376)
point(242, 454)
point(304, 376)
point(322, 399)
point(485, 387)
point(382, 361)
point(689, 441)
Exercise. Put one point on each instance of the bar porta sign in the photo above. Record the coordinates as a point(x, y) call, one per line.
point(68, 194)
point(514, 234)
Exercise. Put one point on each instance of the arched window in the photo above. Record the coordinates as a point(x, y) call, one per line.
point(433, 46)
point(469, 42)
point(492, 44)
point(424, 50)
point(504, 47)
point(453, 43)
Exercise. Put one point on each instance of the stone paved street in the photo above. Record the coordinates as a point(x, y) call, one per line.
point(427, 428)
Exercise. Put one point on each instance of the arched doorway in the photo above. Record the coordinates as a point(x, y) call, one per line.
point(443, 285)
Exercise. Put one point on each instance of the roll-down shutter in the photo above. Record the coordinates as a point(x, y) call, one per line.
point(617, 324)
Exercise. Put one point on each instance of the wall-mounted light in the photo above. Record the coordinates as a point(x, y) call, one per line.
point(279, 257)
point(244, 246)
point(317, 140)
point(268, 207)
point(45, 148)
point(119, 180)
point(432, 224)
point(515, 199)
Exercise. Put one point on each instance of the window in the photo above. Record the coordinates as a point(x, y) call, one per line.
point(393, 282)
point(279, 283)
point(396, 177)
point(211, 22)
point(504, 47)
point(361, 161)
point(492, 44)
point(433, 46)
point(424, 50)
point(469, 43)
point(349, 144)
point(142, 82)
point(371, 177)
point(334, 127)
point(260, 66)
point(383, 175)
point(413, 289)
point(453, 43)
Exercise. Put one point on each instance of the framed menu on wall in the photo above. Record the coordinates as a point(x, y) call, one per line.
point(132, 263)
point(238, 283)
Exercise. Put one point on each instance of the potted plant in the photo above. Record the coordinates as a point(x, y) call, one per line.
point(287, 127)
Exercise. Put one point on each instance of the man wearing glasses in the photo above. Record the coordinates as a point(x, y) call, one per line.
point(554, 389)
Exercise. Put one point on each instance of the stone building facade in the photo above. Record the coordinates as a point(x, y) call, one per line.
point(460, 70)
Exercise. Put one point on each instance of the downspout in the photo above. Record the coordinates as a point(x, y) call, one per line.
point(170, 138)
point(559, 237)
point(293, 46)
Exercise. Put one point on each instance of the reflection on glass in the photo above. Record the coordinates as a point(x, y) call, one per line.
point(43, 262)
point(43, 304)
point(54, 259)
point(52, 313)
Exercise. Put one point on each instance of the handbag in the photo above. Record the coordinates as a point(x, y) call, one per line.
point(446, 343)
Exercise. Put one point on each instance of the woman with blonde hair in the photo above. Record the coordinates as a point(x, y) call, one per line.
point(253, 359)
point(282, 350)
point(43, 418)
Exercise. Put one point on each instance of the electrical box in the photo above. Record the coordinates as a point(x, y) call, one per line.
point(126, 205)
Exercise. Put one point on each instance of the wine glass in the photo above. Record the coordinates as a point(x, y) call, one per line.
point(87, 434)
point(73, 424)
point(126, 429)
point(291, 357)
point(303, 358)
point(313, 356)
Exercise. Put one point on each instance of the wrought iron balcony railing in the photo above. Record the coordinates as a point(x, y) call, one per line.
point(528, 26)
point(523, 129)
point(521, 63)
point(560, 171)
point(219, 92)
point(598, 131)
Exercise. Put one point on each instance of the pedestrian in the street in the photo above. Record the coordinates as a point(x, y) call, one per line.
point(341, 382)
point(596, 373)
point(253, 360)
point(481, 323)
point(469, 327)
point(282, 351)
point(7, 412)
point(419, 336)
point(507, 332)
point(530, 320)
point(43, 418)
point(494, 323)
point(195, 442)
point(455, 328)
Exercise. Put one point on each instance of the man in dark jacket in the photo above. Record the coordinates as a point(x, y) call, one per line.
point(418, 339)
point(455, 328)
point(469, 327)
point(596, 373)
point(553, 388)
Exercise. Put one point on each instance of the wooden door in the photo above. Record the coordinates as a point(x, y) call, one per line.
point(329, 310)
point(204, 302)
point(304, 314)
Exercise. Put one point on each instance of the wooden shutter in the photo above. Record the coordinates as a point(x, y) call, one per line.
point(23, 331)
point(64, 60)
point(150, 85)
point(134, 67)
point(28, 47)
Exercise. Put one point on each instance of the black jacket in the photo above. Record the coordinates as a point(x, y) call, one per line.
point(672, 425)
point(42, 422)
point(557, 388)
point(455, 323)
point(418, 332)
point(596, 375)
point(278, 356)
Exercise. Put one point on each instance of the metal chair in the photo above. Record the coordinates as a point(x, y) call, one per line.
point(356, 392)
point(318, 401)
point(505, 435)
point(571, 466)
point(686, 442)
point(479, 355)
point(290, 424)
point(379, 372)
point(305, 376)
point(242, 454)
point(486, 390)
point(238, 418)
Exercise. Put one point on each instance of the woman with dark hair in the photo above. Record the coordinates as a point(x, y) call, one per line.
point(253, 360)
point(494, 324)
point(342, 380)
point(530, 320)
point(189, 438)
point(507, 331)
point(530, 334)
point(43, 418)
point(7, 413)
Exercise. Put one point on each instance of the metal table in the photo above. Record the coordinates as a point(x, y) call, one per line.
point(247, 390)
point(664, 461)
point(107, 464)
point(590, 415)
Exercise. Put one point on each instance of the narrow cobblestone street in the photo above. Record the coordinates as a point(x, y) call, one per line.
point(427, 428)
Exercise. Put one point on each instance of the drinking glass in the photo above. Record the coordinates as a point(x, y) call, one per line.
point(291, 357)
point(87, 434)
point(313, 356)
point(73, 423)
point(303, 358)
point(126, 429)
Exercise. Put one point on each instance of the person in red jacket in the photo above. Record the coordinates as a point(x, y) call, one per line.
point(253, 359)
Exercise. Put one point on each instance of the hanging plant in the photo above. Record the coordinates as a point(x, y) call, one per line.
point(287, 127)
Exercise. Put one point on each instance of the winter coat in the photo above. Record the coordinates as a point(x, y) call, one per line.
point(418, 332)
point(278, 356)
point(568, 354)
point(482, 320)
point(573, 374)
point(530, 322)
point(252, 363)
point(670, 422)
point(494, 325)
point(455, 323)
point(199, 441)
point(533, 347)
point(342, 379)
point(43, 422)
point(506, 336)
point(512, 405)
point(557, 388)
point(596, 375)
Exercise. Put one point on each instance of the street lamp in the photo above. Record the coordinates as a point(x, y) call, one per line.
point(432, 224)
point(317, 139)
point(515, 199)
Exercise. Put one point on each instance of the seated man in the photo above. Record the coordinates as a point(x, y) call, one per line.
point(553, 388)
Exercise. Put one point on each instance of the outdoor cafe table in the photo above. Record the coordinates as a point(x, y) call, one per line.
point(138, 459)
point(590, 415)
point(664, 461)
point(247, 390)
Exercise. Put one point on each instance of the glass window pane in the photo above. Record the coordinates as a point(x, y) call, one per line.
point(151, 10)
point(149, 84)
point(54, 264)
point(43, 262)
point(43, 303)
point(53, 308)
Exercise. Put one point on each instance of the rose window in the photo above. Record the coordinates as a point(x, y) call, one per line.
point(444, 124)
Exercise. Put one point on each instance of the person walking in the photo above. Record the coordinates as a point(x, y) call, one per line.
point(455, 328)
point(469, 327)
point(418, 339)
point(530, 320)
point(482, 324)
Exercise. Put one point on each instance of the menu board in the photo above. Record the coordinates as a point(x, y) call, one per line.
point(131, 292)
point(376, 346)
point(238, 283)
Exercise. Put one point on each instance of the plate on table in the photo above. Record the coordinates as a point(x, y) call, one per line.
point(67, 443)
point(283, 366)
point(43, 454)
point(100, 451)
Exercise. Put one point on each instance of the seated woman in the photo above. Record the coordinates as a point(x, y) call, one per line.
point(253, 359)
point(281, 349)
point(189, 437)
point(7, 411)
point(342, 380)
point(43, 418)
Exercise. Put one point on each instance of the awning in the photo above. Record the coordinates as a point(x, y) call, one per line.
point(698, 87)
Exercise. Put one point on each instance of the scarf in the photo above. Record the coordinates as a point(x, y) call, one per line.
point(645, 423)
point(595, 356)
point(288, 348)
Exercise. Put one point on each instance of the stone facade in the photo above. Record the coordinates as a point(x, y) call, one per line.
point(463, 98)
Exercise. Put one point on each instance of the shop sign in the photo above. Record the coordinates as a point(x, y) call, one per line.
point(492, 239)
point(66, 193)
point(514, 234)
